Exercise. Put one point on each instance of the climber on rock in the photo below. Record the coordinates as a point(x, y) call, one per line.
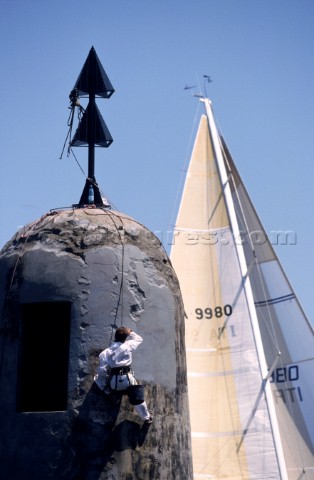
point(115, 372)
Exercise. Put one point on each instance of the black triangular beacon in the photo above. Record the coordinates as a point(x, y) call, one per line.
point(93, 78)
point(92, 130)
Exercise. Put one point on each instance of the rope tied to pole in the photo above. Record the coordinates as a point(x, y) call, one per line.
point(74, 102)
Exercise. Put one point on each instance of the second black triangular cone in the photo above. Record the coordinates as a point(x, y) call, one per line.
point(101, 134)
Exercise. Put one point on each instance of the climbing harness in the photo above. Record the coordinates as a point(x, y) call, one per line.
point(119, 378)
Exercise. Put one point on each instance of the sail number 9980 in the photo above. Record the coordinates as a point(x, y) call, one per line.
point(217, 312)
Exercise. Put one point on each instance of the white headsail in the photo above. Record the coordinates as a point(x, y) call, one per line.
point(250, 348)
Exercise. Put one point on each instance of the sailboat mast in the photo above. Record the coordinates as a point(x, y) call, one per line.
point(247, 287)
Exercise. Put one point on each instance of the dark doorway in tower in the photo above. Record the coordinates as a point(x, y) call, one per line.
point(43, 357)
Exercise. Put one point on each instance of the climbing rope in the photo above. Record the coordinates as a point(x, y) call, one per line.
point(120, 294)
point(78, 163)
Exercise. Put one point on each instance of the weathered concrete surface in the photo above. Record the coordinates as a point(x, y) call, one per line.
point(113, 271)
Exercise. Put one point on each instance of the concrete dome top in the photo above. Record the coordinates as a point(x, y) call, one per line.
point(83, 235)
point(79, 229)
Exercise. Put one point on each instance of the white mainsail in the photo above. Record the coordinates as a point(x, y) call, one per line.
point(250, 348)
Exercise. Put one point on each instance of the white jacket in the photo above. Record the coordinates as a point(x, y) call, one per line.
point(117, 355)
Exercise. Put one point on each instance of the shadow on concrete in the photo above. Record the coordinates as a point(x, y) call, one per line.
point(94, 437)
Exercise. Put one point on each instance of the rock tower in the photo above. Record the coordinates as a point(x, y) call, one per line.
point(67, 281)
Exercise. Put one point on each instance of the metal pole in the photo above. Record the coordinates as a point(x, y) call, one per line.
point(91, 136)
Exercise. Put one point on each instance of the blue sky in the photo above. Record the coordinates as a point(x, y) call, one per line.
point(260, 55)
